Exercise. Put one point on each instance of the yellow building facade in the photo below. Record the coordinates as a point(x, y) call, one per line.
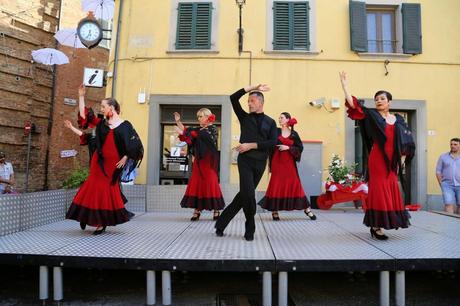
point(181, 53)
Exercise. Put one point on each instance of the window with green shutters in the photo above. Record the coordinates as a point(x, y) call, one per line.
point(291, 30)
point(194, 25)
point(373, 27)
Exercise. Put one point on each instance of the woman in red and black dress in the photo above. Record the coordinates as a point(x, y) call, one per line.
point(203, 190)
point(388, 139)
point(285, 190)
point(99, 201)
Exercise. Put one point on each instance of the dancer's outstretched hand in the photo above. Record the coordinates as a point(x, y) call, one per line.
point(343, 78)
point(262, 87)
point(176, 116)
point(121, 163)
point(282, 147)
point(81, 90)
point(67, 124)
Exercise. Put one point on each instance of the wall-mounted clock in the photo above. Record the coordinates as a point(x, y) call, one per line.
point(90, 32)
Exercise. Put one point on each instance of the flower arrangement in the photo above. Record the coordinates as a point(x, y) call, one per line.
point(341, 173)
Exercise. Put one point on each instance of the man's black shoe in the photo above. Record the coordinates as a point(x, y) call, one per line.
point(219, 233)
point(249, 237)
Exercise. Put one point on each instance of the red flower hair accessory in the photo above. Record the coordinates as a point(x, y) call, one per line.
point(292, 122)
point(211, 118)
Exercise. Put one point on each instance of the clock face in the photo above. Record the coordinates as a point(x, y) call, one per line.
point(90, 31)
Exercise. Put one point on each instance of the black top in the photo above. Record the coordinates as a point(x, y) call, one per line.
point(254, 127)
point(205, 142)
point(373, 131)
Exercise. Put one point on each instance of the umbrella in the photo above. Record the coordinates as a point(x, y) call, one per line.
point(102, 9)
point(69, 37)
point(49, 56)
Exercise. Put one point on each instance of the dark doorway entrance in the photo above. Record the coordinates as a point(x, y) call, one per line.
point(176, 162)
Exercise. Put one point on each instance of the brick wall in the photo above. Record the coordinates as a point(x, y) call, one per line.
point(26, 89)
point(69, 77)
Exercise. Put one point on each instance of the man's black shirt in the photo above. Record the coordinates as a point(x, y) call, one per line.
point(254, 127)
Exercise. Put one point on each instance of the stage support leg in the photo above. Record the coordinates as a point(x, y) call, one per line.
point(151, 293)
point(384, 288)
point(282, 289)
point(400, 281)
point(166, 285)
point(43, 283)
point(267, 289)
point(58, 292)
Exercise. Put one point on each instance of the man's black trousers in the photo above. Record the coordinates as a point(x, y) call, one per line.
point(251, 171)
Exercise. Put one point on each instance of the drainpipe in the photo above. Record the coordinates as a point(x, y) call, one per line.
point(53, 100)
point(115, 52)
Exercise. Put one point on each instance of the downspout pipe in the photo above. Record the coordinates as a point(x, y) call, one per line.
point(115, 52)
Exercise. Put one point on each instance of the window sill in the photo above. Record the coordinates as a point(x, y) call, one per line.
point(293, 52)
point(191, 51)
point(384, 55)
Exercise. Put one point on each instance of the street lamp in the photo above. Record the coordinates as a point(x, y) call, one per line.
point(240, 31)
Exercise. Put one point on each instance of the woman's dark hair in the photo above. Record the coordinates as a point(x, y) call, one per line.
point(288, 116)
point(384, 92)
point(114, 103)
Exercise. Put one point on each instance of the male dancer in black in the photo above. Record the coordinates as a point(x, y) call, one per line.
point(258, 136)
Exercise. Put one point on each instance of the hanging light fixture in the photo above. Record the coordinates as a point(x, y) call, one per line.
point(240, 31)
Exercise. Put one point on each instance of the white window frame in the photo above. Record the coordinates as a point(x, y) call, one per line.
point(106, 43)
point(311, 27)
point(214, 28)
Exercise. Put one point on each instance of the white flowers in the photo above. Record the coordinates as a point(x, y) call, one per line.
point(340, 173)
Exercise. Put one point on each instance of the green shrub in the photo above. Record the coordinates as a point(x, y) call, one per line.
point(76, 178)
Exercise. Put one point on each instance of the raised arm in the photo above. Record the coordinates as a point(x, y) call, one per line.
point(178, 122)
point(344, 82)
point(69, 125)
point(81, 100)
point(235, 98)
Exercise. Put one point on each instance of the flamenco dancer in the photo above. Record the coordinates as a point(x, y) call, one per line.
point(388, 139)
point(284, 190)
point(258, 136)
point(203, 190)
point(99, 201)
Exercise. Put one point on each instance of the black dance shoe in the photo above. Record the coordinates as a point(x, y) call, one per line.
point(82, 225)
point(216, 215)
point(249, 237)
point(275, 216)
point(377, 235)
point(219, 232)
point(310, 214)
point(99, 231)
point(195, 217)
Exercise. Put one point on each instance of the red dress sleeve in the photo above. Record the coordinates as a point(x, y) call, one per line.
point(356, 113)
point(188, 135)
point(90, 120)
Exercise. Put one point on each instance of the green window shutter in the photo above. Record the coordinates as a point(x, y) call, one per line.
point(281, 26)
point(412, 28)
point(194, 25)
point(291, 26)
point(301, 31)
point(358, 26)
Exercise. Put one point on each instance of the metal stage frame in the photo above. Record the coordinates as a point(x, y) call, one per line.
point(160, 238)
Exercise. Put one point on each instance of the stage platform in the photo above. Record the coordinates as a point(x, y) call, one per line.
point(161, 238)
point(162, 241)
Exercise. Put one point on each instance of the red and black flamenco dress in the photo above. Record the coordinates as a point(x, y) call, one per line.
point(99, 201)
point(385, 206)
point(285, 191)
point(203, 190)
